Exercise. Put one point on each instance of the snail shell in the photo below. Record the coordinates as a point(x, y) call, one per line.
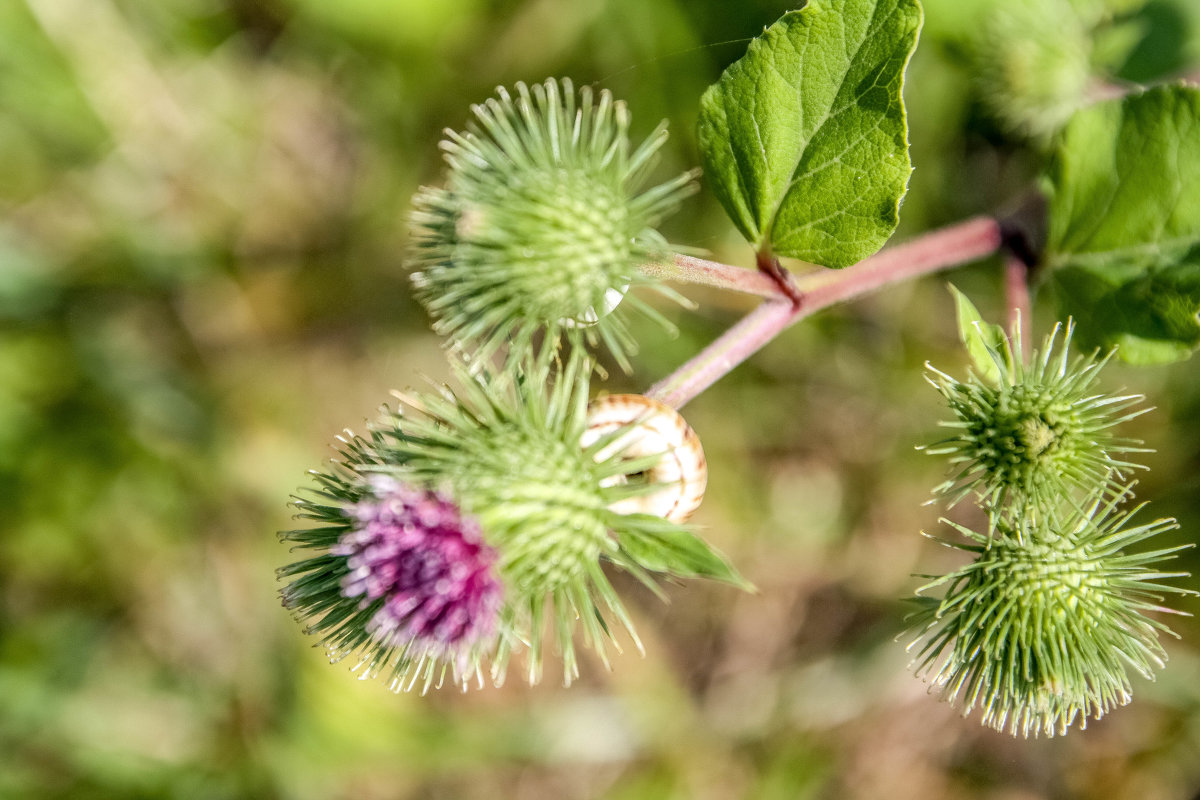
point(656, 429)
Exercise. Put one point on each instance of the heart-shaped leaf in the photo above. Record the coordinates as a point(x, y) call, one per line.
point(805, 139)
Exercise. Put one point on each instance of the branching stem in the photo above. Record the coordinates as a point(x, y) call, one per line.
point(958, 244)
point(768, 263)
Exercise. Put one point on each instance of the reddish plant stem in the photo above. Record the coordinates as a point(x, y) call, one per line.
point(1020, 304)
point(714, 274)
point(768, 263)
point(730, 349)
point(958, 244)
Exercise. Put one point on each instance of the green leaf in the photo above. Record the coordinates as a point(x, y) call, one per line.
point(805, 139)
point(1124, 243)
point(661, 546)
point(1151, 318)
point(980, 338)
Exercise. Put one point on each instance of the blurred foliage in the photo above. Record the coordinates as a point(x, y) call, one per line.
point(202, 220)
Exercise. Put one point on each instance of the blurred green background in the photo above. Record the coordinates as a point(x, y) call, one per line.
point(202, 226)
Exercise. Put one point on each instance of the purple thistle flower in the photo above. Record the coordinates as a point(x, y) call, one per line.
point(416, 549)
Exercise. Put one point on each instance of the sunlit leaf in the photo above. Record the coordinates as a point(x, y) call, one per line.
point(805, 139)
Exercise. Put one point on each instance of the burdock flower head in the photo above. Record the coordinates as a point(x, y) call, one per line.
point(1031, 430)
point(416, 552)
point(1038, 631)
point(542, 222)
point(403, 577)
point(459, 526)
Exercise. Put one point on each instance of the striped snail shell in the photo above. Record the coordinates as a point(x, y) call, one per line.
point(656, 429)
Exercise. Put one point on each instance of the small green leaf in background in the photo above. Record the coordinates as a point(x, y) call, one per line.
point(676, 551)
point(805, 140)
point(980, 338)
point(1124, 248)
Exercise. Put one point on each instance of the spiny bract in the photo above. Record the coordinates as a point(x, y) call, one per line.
point(1033, 430)
point(542, 223)
point(1038, 630)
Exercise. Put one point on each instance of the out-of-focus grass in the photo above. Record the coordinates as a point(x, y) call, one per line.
point(201, 283)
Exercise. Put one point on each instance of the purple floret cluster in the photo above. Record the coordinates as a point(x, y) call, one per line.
point(428, 560)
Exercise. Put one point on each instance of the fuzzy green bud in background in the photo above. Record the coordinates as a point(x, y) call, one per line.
point(1033, 65)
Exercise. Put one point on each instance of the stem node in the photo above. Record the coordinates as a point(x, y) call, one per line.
point(768, 263)
point(791, 300)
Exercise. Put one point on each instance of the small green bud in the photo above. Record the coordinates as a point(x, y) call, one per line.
point(542, 223)
point(1032, 430)
point(1033, 65)
point(1039, 629)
